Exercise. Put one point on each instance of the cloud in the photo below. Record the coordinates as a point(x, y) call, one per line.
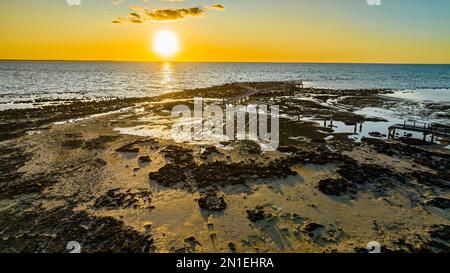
point(175, 14)
point(141, 15)
point(216, 7)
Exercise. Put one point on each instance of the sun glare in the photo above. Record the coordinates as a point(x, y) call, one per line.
point(165, 43)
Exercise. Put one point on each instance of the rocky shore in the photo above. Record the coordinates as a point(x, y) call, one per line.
point(108, 175)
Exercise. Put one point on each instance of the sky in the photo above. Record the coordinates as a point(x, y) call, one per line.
point(397, 31)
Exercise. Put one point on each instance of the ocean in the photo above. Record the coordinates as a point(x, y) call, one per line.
point(24, 82)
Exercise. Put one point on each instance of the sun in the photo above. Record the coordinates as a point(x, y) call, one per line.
point(166, 43)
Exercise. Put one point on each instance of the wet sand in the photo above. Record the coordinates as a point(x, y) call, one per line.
point(108, 175)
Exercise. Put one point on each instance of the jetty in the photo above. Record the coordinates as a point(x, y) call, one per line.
point(433, 129)
point(251, 91)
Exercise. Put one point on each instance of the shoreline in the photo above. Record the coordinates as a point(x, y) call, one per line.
point(321, 191)
point(79, 108)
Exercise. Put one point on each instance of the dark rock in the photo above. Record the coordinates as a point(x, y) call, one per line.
point(98, 163)
point(361, 250)
point(17, 122)
point(49, 231)
point(403, 246)
point(439, 239)
point(221, 173)
point(25, 184)
point(99, 143)
point(438, 242)
point(334, 187)
point(311, 227)
point(257, 214)
point(431, 179)
point(210, 151)
point(168, 175)
point(413, 141)
point(191, 244)
point(178, 155)
point(144, 159)
point(319, 158)
point(232, 247)
point(212, 202)
point(119, 199)
point(439, 202)
point(375, 134)
point(432, 159)
point(73, 144)
point(251, 147)
point(127, 149)
point(131, 148)
point(354, 172)
point(13, 182)
point(441, 232)
point(287, 149)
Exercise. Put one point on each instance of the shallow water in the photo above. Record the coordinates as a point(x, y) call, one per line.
point(24, 82)
point(363, 130)
point(426, 95)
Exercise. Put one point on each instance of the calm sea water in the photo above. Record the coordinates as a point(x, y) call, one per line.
point(25, 81)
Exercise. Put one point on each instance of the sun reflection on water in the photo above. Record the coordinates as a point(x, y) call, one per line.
point(167, 76)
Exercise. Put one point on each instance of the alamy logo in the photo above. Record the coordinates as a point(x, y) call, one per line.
point(374, 2)
point(209, 124)
point(73, 2)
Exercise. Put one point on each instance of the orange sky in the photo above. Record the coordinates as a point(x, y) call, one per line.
point(399, 31)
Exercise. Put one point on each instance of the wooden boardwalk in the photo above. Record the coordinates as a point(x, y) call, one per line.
point(250, 91)
point(433, 129)
point(245, 96)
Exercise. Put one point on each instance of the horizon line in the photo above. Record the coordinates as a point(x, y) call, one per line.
point(256, 62)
